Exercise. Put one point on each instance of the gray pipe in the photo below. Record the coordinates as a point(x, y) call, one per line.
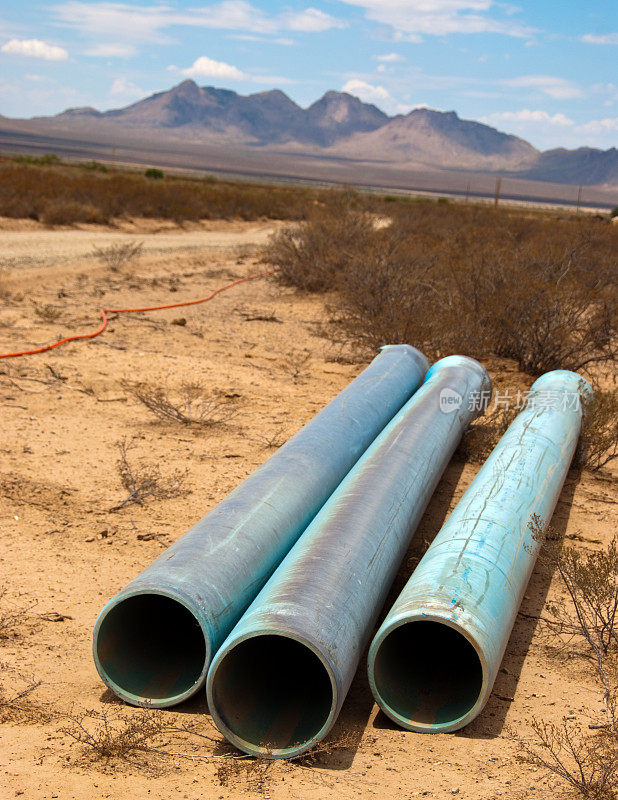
point(154, 640)
point(278, 682)
point(459, 606)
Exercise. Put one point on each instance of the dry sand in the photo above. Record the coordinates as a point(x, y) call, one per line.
point(63, 553)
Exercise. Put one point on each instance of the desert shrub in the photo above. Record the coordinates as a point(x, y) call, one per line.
point(598, 441)
point(468, 279)
point(108, 735)
point(156, 174)
point(67, 212)
point(144, 481)
point(30, 188)
point(587, 614)
point(118, 255)
point(315, 255)
point(191, 405)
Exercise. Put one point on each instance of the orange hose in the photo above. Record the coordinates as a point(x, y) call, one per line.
point(106, 311)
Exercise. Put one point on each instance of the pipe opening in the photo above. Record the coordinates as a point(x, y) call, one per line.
point(427, 673)
point(272, 693)
point(151, 647)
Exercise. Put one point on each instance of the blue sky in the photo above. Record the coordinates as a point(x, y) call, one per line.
point(546, 70)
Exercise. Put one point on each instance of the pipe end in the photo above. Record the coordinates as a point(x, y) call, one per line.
point(150, 649)
point(272, 695)
point(427, 674)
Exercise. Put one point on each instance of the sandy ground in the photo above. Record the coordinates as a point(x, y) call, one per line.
point(27, 244)
point(259, 349)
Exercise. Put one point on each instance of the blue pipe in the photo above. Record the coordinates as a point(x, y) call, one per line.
point(434, 660)
point(277, 684)
point(153, 642)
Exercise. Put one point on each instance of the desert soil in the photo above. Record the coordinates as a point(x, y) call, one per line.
point(262, 351)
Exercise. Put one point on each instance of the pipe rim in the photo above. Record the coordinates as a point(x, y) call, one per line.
point(248, 747)
point(405, 722)
point(130, 697)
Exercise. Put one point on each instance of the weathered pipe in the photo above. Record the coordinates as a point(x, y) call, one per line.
point(434, 660)
point(154, 640)
point(277, 684)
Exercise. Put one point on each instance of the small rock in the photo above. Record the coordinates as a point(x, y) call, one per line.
point(179, 321)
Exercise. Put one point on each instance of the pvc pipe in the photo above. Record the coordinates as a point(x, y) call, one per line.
point(153, 642)
point(434, 660)
point(278, 682)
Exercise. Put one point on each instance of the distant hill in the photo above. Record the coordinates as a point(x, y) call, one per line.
point(342, 127)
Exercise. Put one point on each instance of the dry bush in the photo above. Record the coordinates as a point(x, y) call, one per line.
point(483, 435)
point(587, 760)
point(145, 481)
point(61, 193)
point(67, 212)
point(108, 735)
point(468, 279)
point(15, 703)
point(48, 312)
point(296, 365)
point(192, 405)
point(253, 773)
point(313, 255)
point(11, 616)
point(598, 442)
point(118, 255)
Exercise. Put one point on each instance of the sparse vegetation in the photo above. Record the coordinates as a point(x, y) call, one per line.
point(191, 405)
point(587, 760)
point(116, 256)
point(153, 173)
point(58, 193)
point(48, 312)
point(145, 481)
point(598, 442)
point(108, 736)
point(468, 279)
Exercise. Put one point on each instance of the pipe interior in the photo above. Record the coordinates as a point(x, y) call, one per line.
point(151, 646)
point(428, 673)
point(272, 692)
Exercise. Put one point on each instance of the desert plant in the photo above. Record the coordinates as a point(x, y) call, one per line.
point(11, 616)
point(191, 405)
point(118, 255)
point(313, 255)
point(598, 442)
point(145, 481)
point(48, 312)
point(67, 212)
point(153, 173)
point(108, 735)
point(588, 763)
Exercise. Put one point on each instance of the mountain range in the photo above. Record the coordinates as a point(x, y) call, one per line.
point(340, 126)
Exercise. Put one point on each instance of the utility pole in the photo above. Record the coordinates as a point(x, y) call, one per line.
point(579, 198)
point(497, 192)
point(468, 192)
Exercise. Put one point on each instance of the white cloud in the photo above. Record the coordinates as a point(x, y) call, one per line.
point(122, 87)
point(390, 58)
point(311, 20)
point(35, 48)
point(111, 50)
point(526, 116)
point(412, 19)
point(205, 67)
point(604, 38)
point(597, 127)
point(365, 91)
point(147, 23)
point(558, 88)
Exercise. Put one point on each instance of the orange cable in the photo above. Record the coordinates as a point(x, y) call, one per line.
point(106, 311)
